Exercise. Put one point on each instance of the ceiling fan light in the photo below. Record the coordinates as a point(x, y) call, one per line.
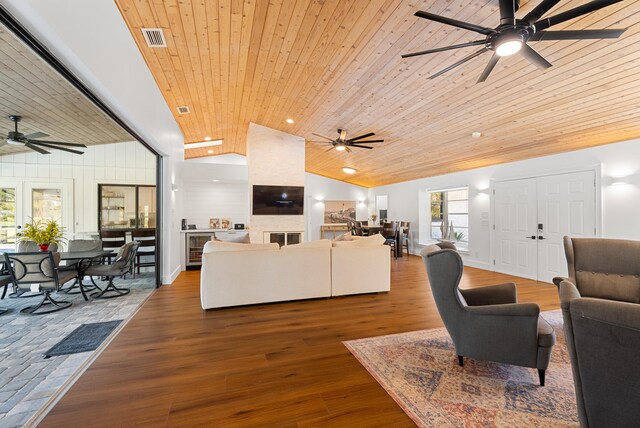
point(341, 147)
point(13, 142)
point(509, 47)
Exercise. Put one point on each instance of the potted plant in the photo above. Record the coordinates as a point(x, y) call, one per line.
point(374, 217)
point(42, 232)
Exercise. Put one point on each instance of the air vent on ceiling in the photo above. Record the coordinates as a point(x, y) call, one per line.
point(183, 109)
point(154, 37)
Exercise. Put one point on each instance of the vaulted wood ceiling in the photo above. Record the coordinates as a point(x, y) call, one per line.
point(30, 88)
point(336, 63)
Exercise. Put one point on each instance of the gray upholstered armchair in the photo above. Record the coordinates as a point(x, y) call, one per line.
point(603, 268)
point(487, 323)
point(602, 328)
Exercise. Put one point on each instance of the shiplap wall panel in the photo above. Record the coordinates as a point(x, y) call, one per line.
point(139, 168)
point(216, 200)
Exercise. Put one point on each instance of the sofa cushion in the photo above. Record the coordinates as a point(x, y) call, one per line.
point(243, 239)
point(321, 243)
point(216, 246)
point(368, 241)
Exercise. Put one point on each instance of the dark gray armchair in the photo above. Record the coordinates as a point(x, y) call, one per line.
point(602, 329)
point(487, 323)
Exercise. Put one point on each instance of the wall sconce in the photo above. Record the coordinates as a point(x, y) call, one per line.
point(319, 199)
point(174, 187)
point(619, 181)
point(362, 201)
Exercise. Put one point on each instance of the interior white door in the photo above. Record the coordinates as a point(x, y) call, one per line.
point(515, 243)
point(566, 207)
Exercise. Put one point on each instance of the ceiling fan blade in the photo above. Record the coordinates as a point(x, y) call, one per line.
point(58, 143)
point(507, 12)
point(51, 146)
point(320, 142)
point(362, 147)
point(454, 22)
point(577, 34)
point(489, 68)
point(446, 48)
point(35, 135)
point(348, 149)
point(370, 134)
point(322, 136)
point(462, 61)
point(539, 11)
point(37, 149)
point(329, 149)
point(369, 141)
point(592, 6)
point(535, 57)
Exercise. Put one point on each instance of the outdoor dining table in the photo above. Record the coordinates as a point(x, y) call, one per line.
point(83, 260)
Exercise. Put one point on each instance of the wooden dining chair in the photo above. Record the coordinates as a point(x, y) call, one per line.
point(147, 240)
point(358, 228)
point(112, 240)
point(390, 233)
point(404, 231)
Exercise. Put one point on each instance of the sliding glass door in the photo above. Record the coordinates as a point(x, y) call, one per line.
point(10, 214)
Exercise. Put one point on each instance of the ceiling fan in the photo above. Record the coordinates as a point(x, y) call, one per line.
point(512, 35)
point(17, 138)
point(342, 143)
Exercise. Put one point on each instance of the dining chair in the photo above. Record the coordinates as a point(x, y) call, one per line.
point(404, 230)
point(41, 268)
point(112, 240)
point(122, 265)
point(147, 240)
point(390, 232)
point(358, 228)
point(5, 280)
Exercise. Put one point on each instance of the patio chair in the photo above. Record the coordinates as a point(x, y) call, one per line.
point(27, 269)
point(122, 264)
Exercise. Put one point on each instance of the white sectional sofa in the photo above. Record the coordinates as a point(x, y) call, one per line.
point(243, 274)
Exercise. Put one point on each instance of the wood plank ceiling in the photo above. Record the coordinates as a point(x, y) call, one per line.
point(30, 88)
point(336, 63)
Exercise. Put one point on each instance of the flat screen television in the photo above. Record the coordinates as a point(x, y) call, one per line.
point(278, 200)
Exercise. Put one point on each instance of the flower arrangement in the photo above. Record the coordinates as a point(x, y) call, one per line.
point(374, 217)
point(44, 233)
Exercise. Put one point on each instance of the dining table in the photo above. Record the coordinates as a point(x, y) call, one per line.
point(83, 259)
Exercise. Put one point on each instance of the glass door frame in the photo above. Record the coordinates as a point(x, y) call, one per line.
point(18, 186)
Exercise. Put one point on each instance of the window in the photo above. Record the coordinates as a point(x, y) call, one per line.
point(450, 209)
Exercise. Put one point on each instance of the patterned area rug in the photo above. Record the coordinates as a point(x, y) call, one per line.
point(420, 371)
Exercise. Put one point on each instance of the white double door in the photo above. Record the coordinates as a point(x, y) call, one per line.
point(533, 215)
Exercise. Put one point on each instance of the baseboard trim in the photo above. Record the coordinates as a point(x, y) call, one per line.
point(477, 264)
point(168, 279)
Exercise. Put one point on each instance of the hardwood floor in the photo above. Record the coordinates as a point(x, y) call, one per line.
point(268, 365)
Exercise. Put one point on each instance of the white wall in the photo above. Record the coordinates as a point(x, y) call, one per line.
point(620, 204)
point(120, 163)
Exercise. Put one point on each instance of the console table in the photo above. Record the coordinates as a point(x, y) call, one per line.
point(333, 228)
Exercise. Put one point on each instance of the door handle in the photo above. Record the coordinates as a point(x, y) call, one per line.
point(531, 237)
point(541, 237)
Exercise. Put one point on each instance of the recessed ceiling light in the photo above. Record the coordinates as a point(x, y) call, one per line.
point(476, 134)
point(216, 180)
point(202, 144)
point(207, 138)
point(289, 120)
point(348, 170)
point(210, 151)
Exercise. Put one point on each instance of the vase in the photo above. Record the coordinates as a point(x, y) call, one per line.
point(44, 247)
